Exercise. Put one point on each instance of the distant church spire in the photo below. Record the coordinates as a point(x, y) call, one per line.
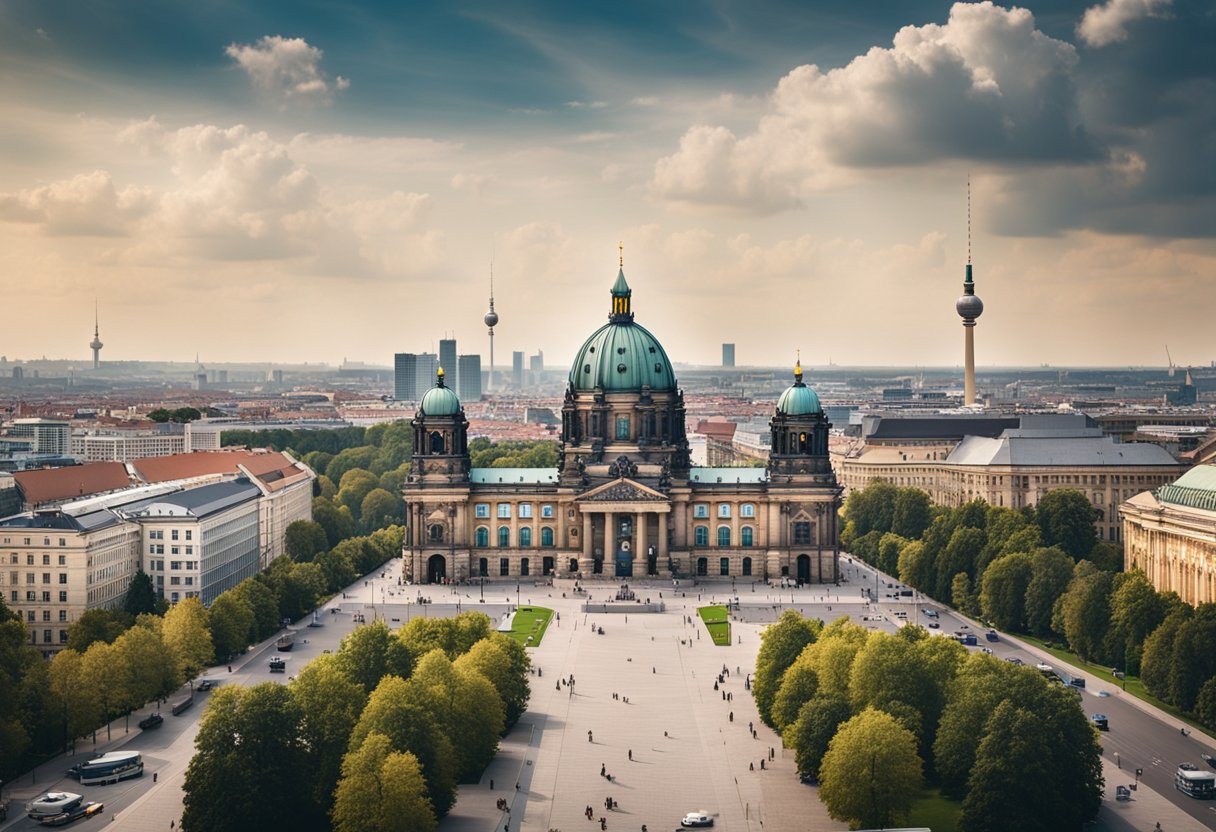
point(621, 294)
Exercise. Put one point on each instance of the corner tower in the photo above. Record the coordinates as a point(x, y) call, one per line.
point(799, 452)
point(441, 438)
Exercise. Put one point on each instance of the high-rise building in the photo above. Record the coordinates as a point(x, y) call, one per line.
point(428, 365)
point(517, 370)
point(405, 376)
point(536, 367)
point(447, 360)
point(95, 345)
point(50, 436)
point(469, 376)
point(728, 356)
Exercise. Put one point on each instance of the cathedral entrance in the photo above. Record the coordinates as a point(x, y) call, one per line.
point(436, 569)
point(546, 566)
point(624, 560)
point(804, 569)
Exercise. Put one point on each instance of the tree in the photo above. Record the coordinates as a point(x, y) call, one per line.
point(382, 791)
point(370, 653)
point(392, 712)
point(380, 509)
point(466, 707)
point(329, 704)
point(780, 645)
point(960, 555)
point(505, 663)
point(356, 484)
point(871, 508)
point(348, 459)
point(261, 599)
point(1003, 592)
point(870, 773)
point(245, 773)
point(911, 561)
point(1136, 609)
point(1194, 656)
point(153, 667)
point(454, 636)
point(1012, 762)
point(104, 669)
point(141, 596)
point(1156, 662)
point(1066, 519)
point(337, 567)
point(1086, 615)
point(912, 514)
point(97, 624)
point(1050, 572)
point(232, 622)
point(304, 540)
point(1106, 556)
point(961, 595)
point(188, 635)
point(1205, 704)
point(889, 547)
point(799, 684)
point(337, 521)
point(810, 734)
point(82, 707)
point(833, 653)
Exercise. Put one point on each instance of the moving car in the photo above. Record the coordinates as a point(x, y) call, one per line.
point(933, 625)
point(992, 636)
point(277, 665)
point(1100, 722)
point(1014, 660)
point(85, 810)
point(206, 685)
point(151, 721)
point(697, 819)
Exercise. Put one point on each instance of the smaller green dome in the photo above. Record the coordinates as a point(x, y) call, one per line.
point(798, 399)
point(440, 400)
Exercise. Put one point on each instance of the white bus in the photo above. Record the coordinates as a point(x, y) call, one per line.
point(110, 768)
point(1200, 785)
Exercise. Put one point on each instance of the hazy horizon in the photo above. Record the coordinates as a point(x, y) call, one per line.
point(308, 183)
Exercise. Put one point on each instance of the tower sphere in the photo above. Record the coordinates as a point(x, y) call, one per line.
point(491, 318)
point(969, 307)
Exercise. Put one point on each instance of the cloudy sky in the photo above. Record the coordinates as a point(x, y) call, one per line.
point(309, 181)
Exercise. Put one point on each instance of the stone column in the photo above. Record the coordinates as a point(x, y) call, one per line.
point(586, 564)
point(662, 553)
point(639, 538)
point(609, 540)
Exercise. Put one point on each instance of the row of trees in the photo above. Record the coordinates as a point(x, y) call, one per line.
point(515, 454)
point(1042, 571)
point(874, 716)
point(374, 737)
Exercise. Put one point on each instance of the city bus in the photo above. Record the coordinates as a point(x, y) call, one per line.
point(109, 768)
point(1200, 785)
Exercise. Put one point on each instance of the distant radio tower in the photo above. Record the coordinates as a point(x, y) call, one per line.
point(491, 320)
point(969, 307)
point(95, 345)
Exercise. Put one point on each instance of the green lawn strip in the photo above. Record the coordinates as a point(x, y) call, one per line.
point(933, 811)
point(1134, 686)
point(530, 621)
point(717, 621)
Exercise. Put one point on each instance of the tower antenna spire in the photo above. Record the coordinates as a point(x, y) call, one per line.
point(621, 249)
point(968, 218)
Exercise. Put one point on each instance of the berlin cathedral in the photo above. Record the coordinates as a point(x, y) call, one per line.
point(624, 500)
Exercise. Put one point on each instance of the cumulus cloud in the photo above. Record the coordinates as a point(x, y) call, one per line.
point(987, 86)
point(86, 204)
point(1107, 23)
point(288, 69)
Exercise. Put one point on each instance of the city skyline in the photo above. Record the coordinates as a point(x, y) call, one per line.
point(781, 179)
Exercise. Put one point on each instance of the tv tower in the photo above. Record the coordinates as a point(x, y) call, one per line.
point(969, 307)
point(491, 320)
point(95, 345)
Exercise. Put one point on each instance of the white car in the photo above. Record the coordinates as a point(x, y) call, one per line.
point(697, 819)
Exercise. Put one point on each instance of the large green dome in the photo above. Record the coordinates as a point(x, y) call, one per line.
point(798, 399)
point(621, 355)
point(440, 400)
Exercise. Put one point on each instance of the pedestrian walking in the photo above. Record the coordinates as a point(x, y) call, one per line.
point(589, 737)
point(631, 755)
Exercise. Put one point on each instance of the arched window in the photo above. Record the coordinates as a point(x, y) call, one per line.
point(700, 536)
point(723, 535)
point(525, 536)
point(504, 536)
point(747, 566)
point(436, 533)
point(747, 536)
point(482, 536)
point(747, 510)
point(546, 536)
point(436, 442)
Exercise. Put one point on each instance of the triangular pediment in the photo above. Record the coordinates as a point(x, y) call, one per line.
point(622, 490)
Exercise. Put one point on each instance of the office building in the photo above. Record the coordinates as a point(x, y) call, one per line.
point(469, 376)
point(405, 376)
point(120, 444)
point(517, 370)
point(447, 360)
point(728, 356)
point(50, 436)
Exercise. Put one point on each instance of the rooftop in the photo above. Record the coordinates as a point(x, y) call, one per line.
point(1033, 448)
point(196, 502)
point(506, 476)
point(728, 475)
point(48, 485)
point(1195, 489)
point(204, 463)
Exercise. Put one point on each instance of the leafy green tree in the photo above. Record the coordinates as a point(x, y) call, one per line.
point(16, 655)
point(911, 564)
point(1156, 662)
point(465, 705)
point(889, 547)
point(1003, 592)
point(961, 595)
point(81, 702)
point(454, 636)
point(348, 459)
point(504, 662)
point(871, 773)
point(261, 599)
point(1136, 609)
point(141, 596)
point(1066, 519)
point(382, 791)
point(329, 704)
point(249, 756)
point(1050, 571)
point(380, 509)
point(232, 623)
point(959, 556)
point(97, 624)
point(188, 635)
point(304, 540)
point(337, 521)
point(799, 684)
point(1011, 763)
point(337, 568)
point(104, 668)
point(153, 667)
point(392, 711)
point(809, 735)
point(325, 488)
point(871, 508)
point(780, 645)
point(356, 484)
point(912, 514)
point(1194, 656)
point(370, 653)
point(1085, 610)
point(833, 653)
point(1205, 703)
point(392, 481)
point(1106, 556)
point(972, 514)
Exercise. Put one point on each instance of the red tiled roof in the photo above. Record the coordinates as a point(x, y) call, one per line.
point(51, 484)
point(202, 463)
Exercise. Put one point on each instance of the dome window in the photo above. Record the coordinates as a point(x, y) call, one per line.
point(658, 368)
point(591, 349)
point(586, 368)
point(652, 350)
point(620, 350)
point(620, 368)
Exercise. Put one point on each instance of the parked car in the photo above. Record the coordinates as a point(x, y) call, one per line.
point(151, 721)
point(933, 625)
point(697, 819)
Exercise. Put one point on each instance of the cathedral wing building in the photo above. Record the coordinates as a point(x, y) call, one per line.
point(624, 500)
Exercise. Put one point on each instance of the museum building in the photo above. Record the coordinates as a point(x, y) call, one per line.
point(624, 500)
